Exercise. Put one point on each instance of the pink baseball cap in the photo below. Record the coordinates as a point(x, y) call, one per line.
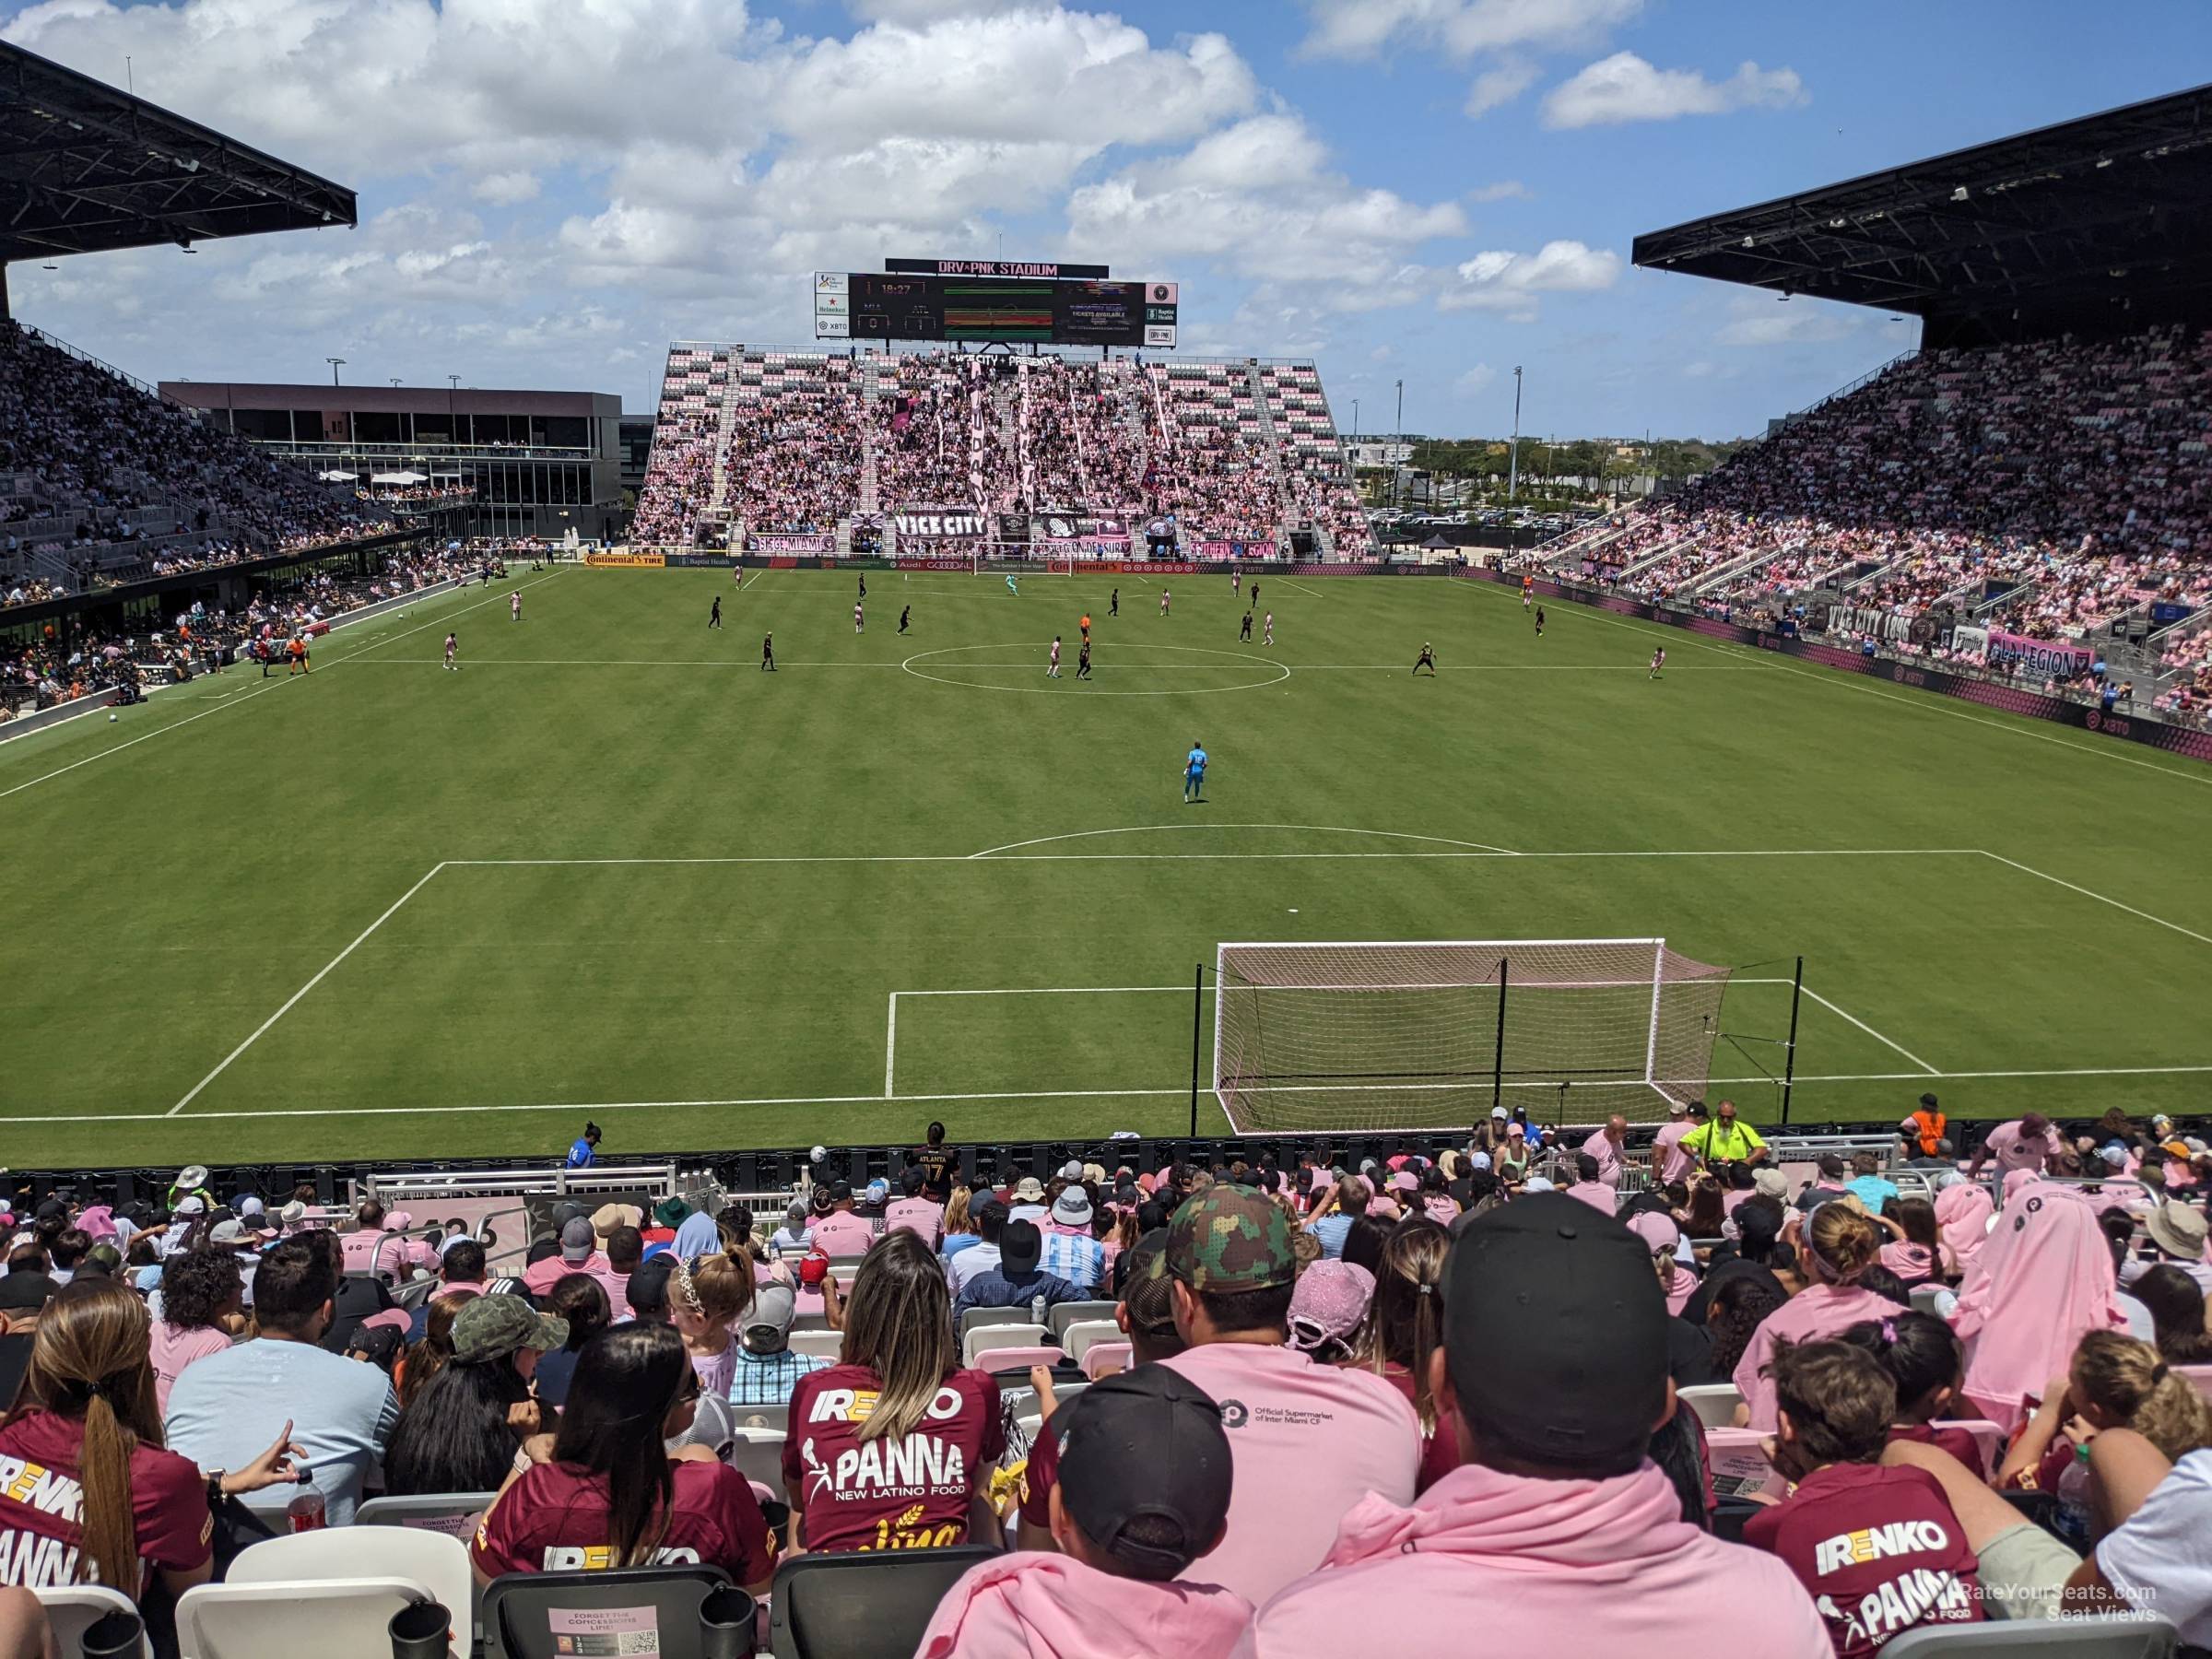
point(1331, 1300)
point(1657, 1230)
point(1405, 1180)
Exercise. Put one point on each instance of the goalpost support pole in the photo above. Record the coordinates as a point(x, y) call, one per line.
point(1197, 1026)
point(1498, 1048)
point(1789, 1053)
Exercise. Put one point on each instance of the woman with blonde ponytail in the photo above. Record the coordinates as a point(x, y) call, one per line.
point(101, 1500)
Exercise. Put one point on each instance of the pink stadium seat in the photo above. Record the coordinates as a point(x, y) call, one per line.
point(1103, 1356)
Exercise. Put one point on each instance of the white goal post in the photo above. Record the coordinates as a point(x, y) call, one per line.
point(1418, 1034)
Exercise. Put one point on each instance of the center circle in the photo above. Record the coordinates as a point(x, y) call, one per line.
point(1230, 659)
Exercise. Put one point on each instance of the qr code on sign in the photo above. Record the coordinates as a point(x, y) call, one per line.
point(605, 1633)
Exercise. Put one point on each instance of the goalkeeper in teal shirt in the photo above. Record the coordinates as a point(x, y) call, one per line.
point(1194, 775)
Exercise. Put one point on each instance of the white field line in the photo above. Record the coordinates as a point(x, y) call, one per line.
point(324, 973)
point(890, 1046)
point(249, 1114)
point(441, 620)
point(2086, 893)
point(929, 858)
point(1121, 667)
point(1444, 840)
point(1926, 703)
point(1870, 1032)
point(1300, 587)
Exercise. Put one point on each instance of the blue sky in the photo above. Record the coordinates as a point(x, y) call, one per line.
point(1431, 189)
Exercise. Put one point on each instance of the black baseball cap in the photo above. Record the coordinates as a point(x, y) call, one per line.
point(1555, 1335)
point(1020, 1245)
point(1145, 1468)
point(25, 1292)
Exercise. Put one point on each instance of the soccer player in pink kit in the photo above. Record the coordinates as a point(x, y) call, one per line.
point(515, 605)
point(858, 619)
point(1268, 633)
point(453, 644)
point(1163, 601)
point(1658, 661)
point(1053, 668)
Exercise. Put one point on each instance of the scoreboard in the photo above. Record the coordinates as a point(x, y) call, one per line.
point(1046, 310)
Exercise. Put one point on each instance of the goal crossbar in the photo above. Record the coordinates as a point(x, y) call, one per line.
point(1384, 1034)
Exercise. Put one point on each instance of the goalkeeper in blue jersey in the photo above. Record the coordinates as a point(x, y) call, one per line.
point(1194, 775)
point(1013, 585)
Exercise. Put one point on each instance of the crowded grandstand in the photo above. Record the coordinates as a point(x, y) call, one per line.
point(1463, 1374)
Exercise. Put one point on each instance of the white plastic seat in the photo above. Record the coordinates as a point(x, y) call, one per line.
point(331, 1619)
point(823, 1345)
point(1714, 1403)
point(2123, 1636)
point(1077, 1337)
point(986, 1338)
point(75, 1608)
point(758, 1455)
point(437, 1561)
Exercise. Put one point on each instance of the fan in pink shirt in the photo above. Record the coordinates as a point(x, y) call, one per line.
point(1663, 1237)
point(1837, 1244)
point(913, 1212)
point(840, 1233)
point(1142, 1494)
point(1557, 1534)
point(1309, 1441)
point(1608, 1145)
point(2027, 1143)
point(1669, 1162)
point(2043, 1281)
point(1590, 1187)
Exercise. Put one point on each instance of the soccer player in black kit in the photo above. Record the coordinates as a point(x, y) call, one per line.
point(1244, 629)
point(714, 616)
point(1113, 604)
point(864, 587)
point(1083, 662)
point(767, 654)
point(1539, 621)
point(904, 612)
point(1427, 660)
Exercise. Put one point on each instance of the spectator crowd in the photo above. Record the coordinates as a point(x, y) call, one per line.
point(1555, 1387)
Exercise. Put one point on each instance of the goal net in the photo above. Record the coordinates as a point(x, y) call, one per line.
point(1374, 1035)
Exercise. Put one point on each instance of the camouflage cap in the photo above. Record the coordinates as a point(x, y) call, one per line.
point(1230, 1238)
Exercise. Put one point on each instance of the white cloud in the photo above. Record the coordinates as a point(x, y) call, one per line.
point(1509, 283)
point(1494, 88)
point(505, 189)
point(1360, 29)
point(1474, 380)
point(927, 11)
point(1626, 88)
point(1248, 196)
point(1504, 190)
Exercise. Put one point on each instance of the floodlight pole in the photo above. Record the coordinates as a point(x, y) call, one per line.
point(1789, 1054)
point(333, 363)
point(1513, 480)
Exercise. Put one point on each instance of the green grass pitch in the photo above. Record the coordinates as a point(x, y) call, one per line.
point(612, 869)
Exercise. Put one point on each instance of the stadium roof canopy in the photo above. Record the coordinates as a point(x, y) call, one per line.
point(85, 168)
point(2062, 227)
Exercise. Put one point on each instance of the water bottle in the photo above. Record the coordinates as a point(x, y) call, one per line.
point(1037, 1309)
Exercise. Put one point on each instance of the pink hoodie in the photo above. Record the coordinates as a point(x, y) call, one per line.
point(1566, 1567)
point(2044, 1280)
point(1028, 1606)
point(1962, 1214)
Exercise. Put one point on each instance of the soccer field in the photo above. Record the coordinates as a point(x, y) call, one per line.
point(612, 869)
